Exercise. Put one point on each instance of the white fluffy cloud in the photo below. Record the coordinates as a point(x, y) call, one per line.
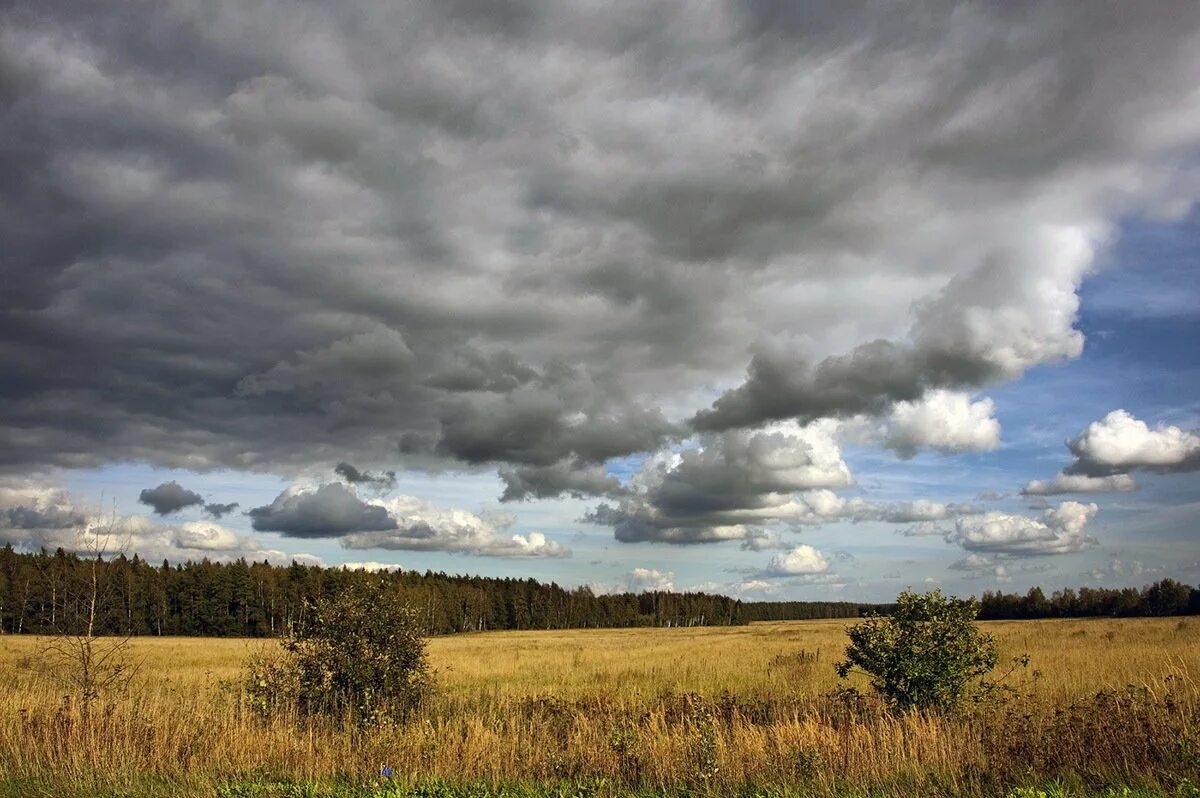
point(1059, 530)
point(944, 421)
point(1108, 450)
point(1119, 443)
point(641, 580)
point(803, 560)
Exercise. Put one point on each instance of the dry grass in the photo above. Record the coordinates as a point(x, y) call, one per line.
point(705, 710)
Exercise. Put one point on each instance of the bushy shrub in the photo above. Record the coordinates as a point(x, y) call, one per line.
point(272, 682)
point(925, 654)
point(360, 656)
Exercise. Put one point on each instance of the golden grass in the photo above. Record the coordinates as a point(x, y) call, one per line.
point(707, 708)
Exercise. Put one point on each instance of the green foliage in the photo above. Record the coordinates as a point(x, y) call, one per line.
point(362, 656)
point(925, 655)
point(359, 657)
point(272, 682)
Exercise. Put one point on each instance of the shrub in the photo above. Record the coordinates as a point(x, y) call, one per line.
point(272, 682)
point(360, 656)
point(925, 654)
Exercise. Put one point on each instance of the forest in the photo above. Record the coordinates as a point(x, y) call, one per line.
point(46, 593)
point(1165, 597)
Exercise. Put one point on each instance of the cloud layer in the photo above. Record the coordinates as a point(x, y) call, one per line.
point(465, 235)
point(34, 516)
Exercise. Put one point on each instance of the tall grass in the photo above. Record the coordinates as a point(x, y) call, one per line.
point(697, 710)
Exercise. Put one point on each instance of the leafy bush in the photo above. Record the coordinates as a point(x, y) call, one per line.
point(272, 682)
point(925, 654)
point(359, 657)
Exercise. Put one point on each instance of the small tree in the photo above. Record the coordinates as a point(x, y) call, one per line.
point(925, 654)
point(89, 665)
point(359, 657)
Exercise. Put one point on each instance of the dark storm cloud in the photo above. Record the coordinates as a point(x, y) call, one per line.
point(470, 370)
point(265, 237)
point(169, 497)
point(326, 512)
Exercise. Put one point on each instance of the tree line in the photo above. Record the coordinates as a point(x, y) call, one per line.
point(46, 593)
point(1165, 597)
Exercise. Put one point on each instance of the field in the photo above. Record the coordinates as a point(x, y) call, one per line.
point(710, 711)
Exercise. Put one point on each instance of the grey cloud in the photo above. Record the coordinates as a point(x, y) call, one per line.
point(419, 526)
point(382, 481)
point(728, 485)
point(391, 255)
point(565, 477)
point(328, 511)
point(868, 380)
point(986, 325)
point(169, 497)
point(28, 518)
point(218, 511)
point(366, 361)
point(563, 415)
point(470, 370)
point(757, 539)
point(37, 516)
point(736, 483)
point(400, 523)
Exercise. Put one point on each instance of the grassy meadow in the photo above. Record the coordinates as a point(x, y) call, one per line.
point(705, 711)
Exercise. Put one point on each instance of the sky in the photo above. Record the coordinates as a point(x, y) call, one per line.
point(781, 301)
